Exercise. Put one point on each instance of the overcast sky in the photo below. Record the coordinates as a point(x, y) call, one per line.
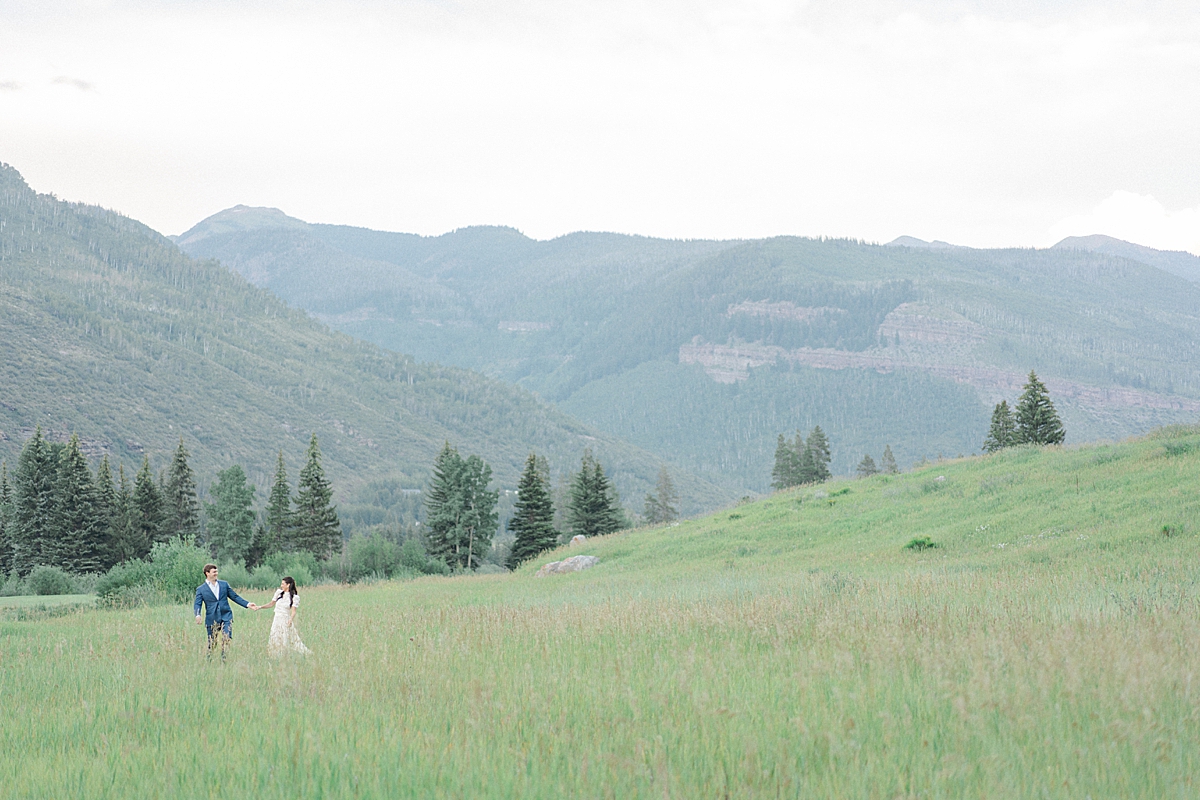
point(979, 122)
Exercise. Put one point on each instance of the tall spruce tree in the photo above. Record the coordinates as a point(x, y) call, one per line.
point(33, 504)
point(77, 528)
point(866, 468)
point(106, 511)
point(147, 511)
point(179, 498)
point(784, 473)
point(1003, 431)
point(127, 538)
point(1037, 420)
point(660, 506)
point(318, 529)
point(277, 530)
point(230, 516)
point(460, 509)
point(532, 521)
point(818, 445)
point(592, 509)
point(5, 514)
point(887, 464)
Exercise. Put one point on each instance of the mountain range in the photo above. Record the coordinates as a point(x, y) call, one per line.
point(109, 331)
point(703, 352)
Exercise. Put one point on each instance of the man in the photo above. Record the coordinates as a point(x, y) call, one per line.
point(218, 616)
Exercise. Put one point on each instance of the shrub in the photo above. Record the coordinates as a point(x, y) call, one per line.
point(48, 581)
point(919, 543)
point(235, 575)
point(171, 574)
point(264, 578)
point(13, 586)
point(302, 566)
point(372, 556)
point(413, 556)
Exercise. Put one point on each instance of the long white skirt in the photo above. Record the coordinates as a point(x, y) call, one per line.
point(284, 638)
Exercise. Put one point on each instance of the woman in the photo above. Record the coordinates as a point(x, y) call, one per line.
point(284, 638)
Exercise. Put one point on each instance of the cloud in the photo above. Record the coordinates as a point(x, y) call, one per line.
point(79, 84)
point(9, 86)
point(1136, 218)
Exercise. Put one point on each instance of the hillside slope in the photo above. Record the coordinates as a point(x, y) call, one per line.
point(704, 351)
point(108, 330)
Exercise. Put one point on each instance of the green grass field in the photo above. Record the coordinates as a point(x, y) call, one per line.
point(1049, 646)
point(34, 601)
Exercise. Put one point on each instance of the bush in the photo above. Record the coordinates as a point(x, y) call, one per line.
point(48, 581)
point(235, 575)
point(264, 578)
point(172, 573)
point(372, 556)
point(919, 543)
point(301, 565)
point(13, 586)
point(412, 556)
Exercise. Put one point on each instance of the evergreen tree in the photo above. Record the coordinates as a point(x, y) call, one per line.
point(5, 514)
point(277, 532)
point(106, 512)
point(784, 474)
point(532, 521)
point(230, 518)
point(317, 527)
point(179, 497)
point(592, 509)
point(866, 468)
point(126, 537)
point(77, 528)
point(1037, 420)
point(660, 506)
point(888, 463)
point(146, 510)
point(1003, 432)
point(33, 504)
point(818, 446)
point(259, 546)
point(460, 509)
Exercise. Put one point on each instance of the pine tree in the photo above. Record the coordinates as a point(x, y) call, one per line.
point(5, 515)
point(230, 517)
point(818, 445)
point(532, 521)
point(1003, 432)
point(888, 463)
point(179, 498)
point(33, 504)
point(866, 468)
point(460, 509)
point(146, 509)
point(126, 537)
point(278, 530)
point(443, 503)
point(106, 512)
point(1037, 420)
point(318, 529)
point(783, 475)
point(660, 506)
point(77, 529)
point(592, 509)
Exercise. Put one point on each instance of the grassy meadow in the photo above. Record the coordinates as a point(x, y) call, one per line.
point(1049, 646)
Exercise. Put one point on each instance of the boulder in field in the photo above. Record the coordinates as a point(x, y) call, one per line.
point(578, 538)
point(572, 564)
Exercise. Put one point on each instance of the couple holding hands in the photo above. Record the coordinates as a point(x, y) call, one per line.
point(218, 617)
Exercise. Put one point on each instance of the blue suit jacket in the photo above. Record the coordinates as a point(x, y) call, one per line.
point(216, 609)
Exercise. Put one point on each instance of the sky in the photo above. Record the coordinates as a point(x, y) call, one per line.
point(989, 123)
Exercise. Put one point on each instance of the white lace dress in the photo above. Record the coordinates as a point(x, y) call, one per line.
point(284, 638)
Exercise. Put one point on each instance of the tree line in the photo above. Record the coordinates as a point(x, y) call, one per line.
point(54, 511)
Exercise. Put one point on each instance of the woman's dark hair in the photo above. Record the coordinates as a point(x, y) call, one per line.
point(291, 585)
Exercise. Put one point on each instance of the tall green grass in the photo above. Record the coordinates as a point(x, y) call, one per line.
point(1047, 647)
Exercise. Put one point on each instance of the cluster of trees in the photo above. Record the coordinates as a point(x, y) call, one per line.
point(460, 509)
point(887, 464)
point(801, 461)
point(55, 512)
point(1035, 421)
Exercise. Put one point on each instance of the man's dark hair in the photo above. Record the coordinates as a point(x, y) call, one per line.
point(209, 568)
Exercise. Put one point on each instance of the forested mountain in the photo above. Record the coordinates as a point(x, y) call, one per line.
point(704, 351)
point(108, 330)
point(1185, 265)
